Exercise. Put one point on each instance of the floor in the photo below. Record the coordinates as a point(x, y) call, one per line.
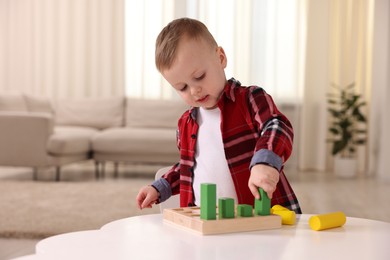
point(317, 192)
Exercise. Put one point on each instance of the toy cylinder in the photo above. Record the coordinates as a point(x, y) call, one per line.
point(278, 208)
point(288, 216)
point(327, 221)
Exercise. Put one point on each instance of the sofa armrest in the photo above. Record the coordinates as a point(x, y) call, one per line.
point(24, 137)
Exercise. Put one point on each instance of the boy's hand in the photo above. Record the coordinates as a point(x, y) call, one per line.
point(147, 196)
point(265, 177)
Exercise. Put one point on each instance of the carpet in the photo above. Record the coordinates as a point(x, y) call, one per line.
point(36, 209)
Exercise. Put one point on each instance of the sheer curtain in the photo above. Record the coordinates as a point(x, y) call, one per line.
point(312, 128)
point(338, 50)
point(261, 39)
point(62, 48)
point(379, 149)
point(351, 51)
point(143, 21)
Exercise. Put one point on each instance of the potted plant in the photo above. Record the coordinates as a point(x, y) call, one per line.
point(347, 128)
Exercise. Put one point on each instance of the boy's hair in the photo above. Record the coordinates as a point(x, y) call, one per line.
point(169, 38)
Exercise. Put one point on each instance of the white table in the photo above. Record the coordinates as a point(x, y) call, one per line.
point(149, 237)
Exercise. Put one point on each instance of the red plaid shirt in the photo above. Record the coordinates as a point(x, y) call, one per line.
point(253, 131)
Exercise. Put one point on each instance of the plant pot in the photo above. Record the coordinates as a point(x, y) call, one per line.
point(345, 167)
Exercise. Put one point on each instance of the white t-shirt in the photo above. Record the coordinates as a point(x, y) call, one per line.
point(211, 164)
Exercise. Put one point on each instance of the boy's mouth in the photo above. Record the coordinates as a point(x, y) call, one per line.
point(203, 99)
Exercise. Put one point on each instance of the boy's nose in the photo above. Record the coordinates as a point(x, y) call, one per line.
point(196, 90)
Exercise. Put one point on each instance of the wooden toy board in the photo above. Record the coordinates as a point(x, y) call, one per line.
point(189, 218)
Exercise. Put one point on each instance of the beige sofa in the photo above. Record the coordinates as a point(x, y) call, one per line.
point(36, 132)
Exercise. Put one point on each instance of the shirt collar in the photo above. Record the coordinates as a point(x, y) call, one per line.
point(229, 88)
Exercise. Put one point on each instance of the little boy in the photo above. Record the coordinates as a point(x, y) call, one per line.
point(232, 136)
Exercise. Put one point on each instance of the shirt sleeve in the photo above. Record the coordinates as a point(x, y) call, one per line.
point(274, 145)
point(168, 184)
point(163, 187)
point(268, 157)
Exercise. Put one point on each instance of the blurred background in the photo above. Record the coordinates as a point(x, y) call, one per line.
point(325, 62)
point(295, 49)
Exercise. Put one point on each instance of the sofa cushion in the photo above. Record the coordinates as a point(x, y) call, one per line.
point(38, 104)
point(154, 113)
point(128, 140)
point(13, 102)
point(98, 113)
point(68, 140)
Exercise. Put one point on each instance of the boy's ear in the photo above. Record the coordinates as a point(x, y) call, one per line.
point(222, 56)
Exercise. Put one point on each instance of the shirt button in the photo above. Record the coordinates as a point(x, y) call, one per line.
point(193, 136)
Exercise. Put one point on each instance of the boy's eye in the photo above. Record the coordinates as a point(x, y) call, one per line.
point(183, 88)
point(201, 77)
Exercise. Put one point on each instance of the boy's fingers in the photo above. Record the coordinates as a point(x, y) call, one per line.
point(141, 204)
point(255, 191)
point(140, 199)
point(269, 194)
point(266, 187)
point(145, 203)
point(148, 201)
point(269, 189)
point(150, 205)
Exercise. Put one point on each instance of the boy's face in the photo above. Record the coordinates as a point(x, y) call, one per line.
point(197, 73)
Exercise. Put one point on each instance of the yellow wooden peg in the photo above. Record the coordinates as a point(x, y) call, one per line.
point(326, 221)
point(288, 216)
point(278, 208)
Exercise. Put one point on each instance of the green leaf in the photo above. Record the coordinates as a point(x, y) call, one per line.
point(334, 130)
point(339, 146)
point(358, 115)
point(351, 101)
point(360, 131)
point(345, 123)
point(360, 141)
point(334, 112)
